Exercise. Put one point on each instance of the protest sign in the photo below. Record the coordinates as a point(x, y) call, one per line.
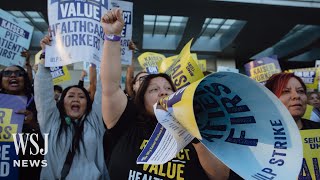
point(76, 31)
point(184, 70)
point(309, 76)
point(166, 63)
point(230, 120)
point(77, 34)
point(202, 63)
point(126, 34)
point(15, 36)
point(150, 59)
point(311, 154)
point(11, 122)
point(60, 74)
point(262, 69)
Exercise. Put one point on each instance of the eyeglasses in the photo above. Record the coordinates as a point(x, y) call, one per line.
point(17, 73)
point(141, 79)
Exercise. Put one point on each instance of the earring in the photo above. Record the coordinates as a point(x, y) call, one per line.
point(68, 120)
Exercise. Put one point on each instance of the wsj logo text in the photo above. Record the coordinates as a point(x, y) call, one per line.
point(30, 140)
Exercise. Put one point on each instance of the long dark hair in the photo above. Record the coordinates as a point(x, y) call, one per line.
point(139, 99)
point(28, 90)
point(79, 128)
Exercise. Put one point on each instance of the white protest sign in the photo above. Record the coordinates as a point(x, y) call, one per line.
point(15, 36)
point(76, 31)
point(126, 34)
point(242, 122)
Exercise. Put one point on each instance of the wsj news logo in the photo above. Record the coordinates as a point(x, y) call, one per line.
point(31, 141)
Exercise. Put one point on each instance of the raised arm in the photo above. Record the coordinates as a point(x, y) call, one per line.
point(93, 80)
point(82, 76)
point(48, 113)
point(27, 64)
point(114, 100)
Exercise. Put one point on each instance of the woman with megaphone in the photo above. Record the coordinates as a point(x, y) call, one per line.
point(130, 124)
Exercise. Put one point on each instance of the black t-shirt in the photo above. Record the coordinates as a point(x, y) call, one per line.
point(308, 124)
point(234, 176)
point(124, 142)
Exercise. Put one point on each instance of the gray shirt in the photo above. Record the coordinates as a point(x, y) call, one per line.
point(89, 162)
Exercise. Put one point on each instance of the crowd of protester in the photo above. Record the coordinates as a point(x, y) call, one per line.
point(96, 132)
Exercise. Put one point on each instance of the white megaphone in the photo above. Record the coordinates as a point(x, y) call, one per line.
point(241, 122)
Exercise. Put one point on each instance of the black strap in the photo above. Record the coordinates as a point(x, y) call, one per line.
point(67, 164)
